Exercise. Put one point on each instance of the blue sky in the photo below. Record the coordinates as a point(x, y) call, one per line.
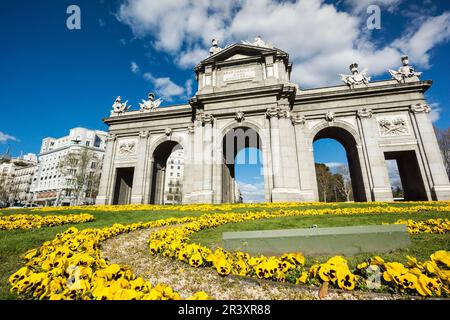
point(54, 79)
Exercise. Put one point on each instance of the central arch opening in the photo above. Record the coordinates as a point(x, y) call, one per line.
point(337, 179)
point(167, 173)
point(242, 168)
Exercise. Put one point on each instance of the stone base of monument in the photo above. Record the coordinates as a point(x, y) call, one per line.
point(320, 241)
point(285, 195)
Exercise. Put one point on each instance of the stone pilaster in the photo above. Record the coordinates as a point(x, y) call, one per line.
point(440, 187)
point(106, 183)
point(208, 120)
point(202, 157)
point(188, 177)
point(272, 114)
point(305, 160)
point(138, 190)
point(380, 185)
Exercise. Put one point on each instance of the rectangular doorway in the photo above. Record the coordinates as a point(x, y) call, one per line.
point(123, 186)
point(410, 175)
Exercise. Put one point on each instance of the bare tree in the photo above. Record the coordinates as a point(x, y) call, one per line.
point(324, 182)
point(82, 170)
point(443, 137)
point(344, 185)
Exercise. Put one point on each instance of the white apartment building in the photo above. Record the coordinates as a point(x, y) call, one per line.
point(174, 178)
point(22, 180)
point(50, 186)
point(15, 177)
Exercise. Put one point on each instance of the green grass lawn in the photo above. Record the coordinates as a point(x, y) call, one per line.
point(14, 243)
point(422, 245)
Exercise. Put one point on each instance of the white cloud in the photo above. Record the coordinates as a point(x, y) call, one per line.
point(359, 6)
point(252, 192)
point(134, 67)
point(6, 137)
point(164, 87)
point(334, 164)
point(435, 112)
point(322, 41)
point(191, 57)
point(188, 87)
point(394, 175)
point(433, 31)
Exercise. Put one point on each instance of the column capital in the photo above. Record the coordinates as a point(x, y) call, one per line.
point(364, 113)
point(191, 128)
point(298, 119)
point(144, 134)
point(111, 137)
point(284, 113)
point(420, 107)
point(208, 118)
point(272, 112)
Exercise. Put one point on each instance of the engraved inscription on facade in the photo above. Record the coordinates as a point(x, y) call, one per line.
point(239, 74)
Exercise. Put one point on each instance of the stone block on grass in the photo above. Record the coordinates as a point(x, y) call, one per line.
point(320, 241)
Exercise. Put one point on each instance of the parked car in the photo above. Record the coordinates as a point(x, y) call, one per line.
point(16, 206)
point(32, 205)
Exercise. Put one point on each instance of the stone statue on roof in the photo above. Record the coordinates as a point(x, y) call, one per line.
point(405, 72)
point(151, 104)
point(215, 47)
point(356, 77)
point(258, 42)
point(119, 107)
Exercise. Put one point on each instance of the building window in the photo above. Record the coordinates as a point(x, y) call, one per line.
point(88, 143)
point(178, 174)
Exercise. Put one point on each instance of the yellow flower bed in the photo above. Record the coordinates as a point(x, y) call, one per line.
point(439, 226)
point(70, 267)
point(174, 242)
point(221, 207)
point(28, 221)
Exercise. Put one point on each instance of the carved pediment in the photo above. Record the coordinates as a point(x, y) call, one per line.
point(240, 51)
point(237, 57)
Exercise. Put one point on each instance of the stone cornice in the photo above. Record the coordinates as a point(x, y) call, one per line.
point(239, 94)
point(185, 111)
point(343, 93)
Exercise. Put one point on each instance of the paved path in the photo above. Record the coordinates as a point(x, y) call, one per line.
point(131, 249)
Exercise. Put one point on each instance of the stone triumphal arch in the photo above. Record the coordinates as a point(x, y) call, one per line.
point(245, 99)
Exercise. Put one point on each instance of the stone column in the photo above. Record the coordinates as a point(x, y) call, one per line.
point(203, 160)
point(440, 186)
point(289, 163)
point(380, 185)
point(285, 170)
point(106, 182)
point(148, 179)
point(138, 190)
point(197, 164)
point(305, 160)
point(188, 176)
point(272, 114)
point(207, 157)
